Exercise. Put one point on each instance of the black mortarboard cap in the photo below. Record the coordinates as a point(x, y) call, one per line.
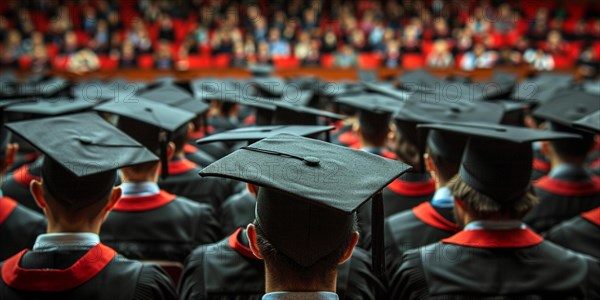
point(176, 96)
point(419, 80)
point(151, 123)
point(371, 102)
point(497, 160)
point(541, 88)
point(42, 86)
point(568, 106)
point(590, 122)
point(5, 135)
point(52, 107)
point(272, 87)
point(387, 90)
point(367, 75)
point(592, 87)
point(310, 193)
point(256, 133)
point(291, 114)
point(82, 153)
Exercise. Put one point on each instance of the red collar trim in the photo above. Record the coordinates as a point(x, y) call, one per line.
point(198, 134)
point(240, 248)
point(349, 138)
point(338, 125)
point(414, 189)
point(23, 177)
point(541, 165)
point(568, 188)
point(43, 280)
point(7, 205)
point(249, 120)
point(512, 238)
point(189, 149)
point(180, 166)
point(592, 216)
point(595, 163)
point(426, 213)
point(143, 203)
point(389, 154)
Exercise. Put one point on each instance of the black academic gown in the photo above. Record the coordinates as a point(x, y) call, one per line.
point(238, 211)
point(16, 184)
point(406, 192)
point(183, 180)
point(159, 227)
point(495, 264)
point(581, 233)
point(197, 156)
point(19, 226)
point(100, 274)
point(229, 270)
point(420, 226)
point(344, 136)
point(541, 165)
point(563, 197)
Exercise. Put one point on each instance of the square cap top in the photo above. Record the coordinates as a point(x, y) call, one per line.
point(367, 75)
point(255, 133)
point(568, 106)
point(371, 102)
point(83, 143)
point(419, 80)
point(52, 107)
point(176, 96)
point(592, 87)
point(417, 110)
point(152, 113)
point(355, 176)
point(589, 123)
point(387, 90)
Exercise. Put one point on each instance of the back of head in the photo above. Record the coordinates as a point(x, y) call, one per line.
point(572, 149)
point(374, 126)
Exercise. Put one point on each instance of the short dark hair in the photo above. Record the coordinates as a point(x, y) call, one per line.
point(446, 168)
point(374, 126)
point(485, 207)
point(286, 269)
point(572, 148)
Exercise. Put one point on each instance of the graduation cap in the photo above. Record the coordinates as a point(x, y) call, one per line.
point(5, 135)
point(116, 90)
point(514, 111)
point(291, 114)
point(419, 80)
point(497, 160)
point(82, 153)
point(42, 86)
point(310, 191)
point(592, 87)
point(387, 90)
point(151, 123)
point(367, 75)
point(256, 133)
point(51, 107)
point(177, 97)
point(568, 106)
point(589, 123)
point(541, 88)
point(270, 86)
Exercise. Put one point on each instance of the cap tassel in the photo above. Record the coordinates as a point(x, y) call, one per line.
point(378, 254)
point(163, 142)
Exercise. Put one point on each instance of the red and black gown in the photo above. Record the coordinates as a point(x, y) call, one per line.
point(19, 226)
point(541, 165)
point(238, 211)
point(406, 192)
point(563, 195)
point(184, 181)
point(423, 225)
point(16, 184)
point(159, 227)
point(495, 264)
point(229, 270)
point(89, 273)
point(581, 233)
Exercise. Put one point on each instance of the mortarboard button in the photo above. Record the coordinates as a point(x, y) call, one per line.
point(311, 161)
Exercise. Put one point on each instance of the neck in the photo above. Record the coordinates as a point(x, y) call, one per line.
point(126, 177)
point(557, 161)
point(58, 227)
point(369, 144)
point(276, 284)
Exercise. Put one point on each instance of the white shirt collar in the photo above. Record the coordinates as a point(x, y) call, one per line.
point(66, 241)
point(147, 188)
point(495, 225)
point(300, 296)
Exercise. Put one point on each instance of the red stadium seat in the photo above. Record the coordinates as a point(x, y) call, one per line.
point(108, 63)
point(369, 61)
point(286, 62)
point(146, 61)
point(60, 62)
point(199, 61)
point(82, 38)
point(562, 62)
point(24, 62)
point(327, 60)
point(413, 61)
point(221, 61)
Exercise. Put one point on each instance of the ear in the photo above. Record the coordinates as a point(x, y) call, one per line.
point(170, 150)
point(38, 195)
point(429, 165)
point(251, 234)
point(114, 198)
point(252, 189)
point(350, 249)
point(191, 128)
point(546, 149)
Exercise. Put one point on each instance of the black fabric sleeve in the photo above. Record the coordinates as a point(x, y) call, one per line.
point(154, 283)
point(191, 285)
point(409, 281)
point(208, 230)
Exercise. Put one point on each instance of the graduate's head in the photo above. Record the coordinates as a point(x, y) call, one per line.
point(82, 153)
point(443, 154)
point(69, 199)
point(374, 128)
point(493, 181)
point(569, 151)
point(305, 224)
point(8, 151)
